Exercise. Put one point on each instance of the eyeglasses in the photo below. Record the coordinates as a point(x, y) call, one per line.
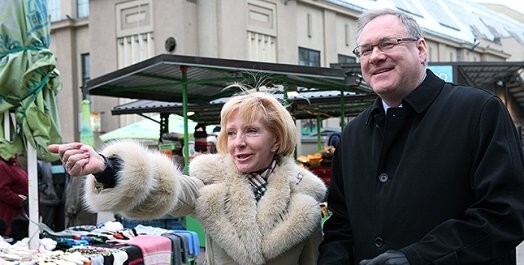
point(383, 45)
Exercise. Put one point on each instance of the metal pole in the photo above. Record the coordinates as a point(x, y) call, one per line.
point(342, 110)
point(319, 137)
point(183, 69)
point(286, 103)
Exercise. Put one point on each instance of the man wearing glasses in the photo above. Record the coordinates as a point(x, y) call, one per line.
point(432, 173)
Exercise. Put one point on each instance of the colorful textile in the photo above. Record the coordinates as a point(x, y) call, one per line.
point(155, 249)
point(102, 255)
point(97, 259)
point(193, 247)
point(134, 255)
point(119, 258)
point(176, 248)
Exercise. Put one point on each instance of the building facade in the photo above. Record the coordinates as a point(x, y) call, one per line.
point(96, 37)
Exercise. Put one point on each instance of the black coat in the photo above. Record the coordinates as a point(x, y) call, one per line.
point(440, 179)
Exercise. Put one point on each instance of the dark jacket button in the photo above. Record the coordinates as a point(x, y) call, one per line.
point(383, 177)
point(379, 242)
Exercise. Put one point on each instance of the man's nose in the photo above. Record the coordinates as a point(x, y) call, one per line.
point(376, 55)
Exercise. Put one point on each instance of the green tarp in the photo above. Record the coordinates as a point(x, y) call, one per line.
point(86, 133)
point(149, 129)
point(29, 80)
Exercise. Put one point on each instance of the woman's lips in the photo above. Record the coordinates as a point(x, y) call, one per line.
point(243, 156)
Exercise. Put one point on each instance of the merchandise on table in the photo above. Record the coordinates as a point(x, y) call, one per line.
point(108, 243)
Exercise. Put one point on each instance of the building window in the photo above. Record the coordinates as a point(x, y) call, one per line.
point(86, 70)
point(308, 57)
point(82, 8)
point(346, 59)
point(53, 7)
point(459, 55)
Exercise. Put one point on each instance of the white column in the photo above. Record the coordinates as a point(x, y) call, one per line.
point(34, 219)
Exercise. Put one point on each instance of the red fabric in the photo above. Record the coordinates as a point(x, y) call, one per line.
point(323, 172)
point(13, 181)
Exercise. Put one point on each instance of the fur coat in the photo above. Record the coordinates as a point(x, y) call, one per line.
point(282, 228)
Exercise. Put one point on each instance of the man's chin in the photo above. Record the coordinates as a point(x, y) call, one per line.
point(382, 89)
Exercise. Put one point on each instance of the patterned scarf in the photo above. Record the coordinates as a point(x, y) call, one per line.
point(258, 181)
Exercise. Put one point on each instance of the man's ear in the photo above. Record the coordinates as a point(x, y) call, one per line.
point(422, 47)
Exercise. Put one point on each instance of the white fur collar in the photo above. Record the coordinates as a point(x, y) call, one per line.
point(253, 233)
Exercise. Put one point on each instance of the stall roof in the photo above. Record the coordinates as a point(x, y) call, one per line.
point(303, 105)
point(162, 78)
point(485, 74)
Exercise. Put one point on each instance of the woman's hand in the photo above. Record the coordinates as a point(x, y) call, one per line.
point(78, 159)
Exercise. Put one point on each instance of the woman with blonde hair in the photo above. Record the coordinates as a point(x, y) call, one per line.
point(255, 203)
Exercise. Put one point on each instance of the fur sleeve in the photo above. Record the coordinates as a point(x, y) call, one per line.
point(211, 168)
point(147, 184)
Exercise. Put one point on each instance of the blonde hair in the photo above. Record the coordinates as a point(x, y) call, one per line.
point(275, 116)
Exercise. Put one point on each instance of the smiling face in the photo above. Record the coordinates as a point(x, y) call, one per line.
point(392, 74)
point(252, 145)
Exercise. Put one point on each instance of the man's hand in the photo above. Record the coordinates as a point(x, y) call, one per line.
point(390, 257)
point(78, 159)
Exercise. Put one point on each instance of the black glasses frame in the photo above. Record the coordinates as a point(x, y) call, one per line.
point(383, 45)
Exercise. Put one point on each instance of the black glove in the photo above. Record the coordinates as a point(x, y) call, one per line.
point(390, 257)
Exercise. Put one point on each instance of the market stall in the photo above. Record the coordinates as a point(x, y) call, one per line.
point(107, 243)
point(195, 82)
point(305, 105)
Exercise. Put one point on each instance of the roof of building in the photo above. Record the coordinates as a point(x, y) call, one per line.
point(460, 20)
